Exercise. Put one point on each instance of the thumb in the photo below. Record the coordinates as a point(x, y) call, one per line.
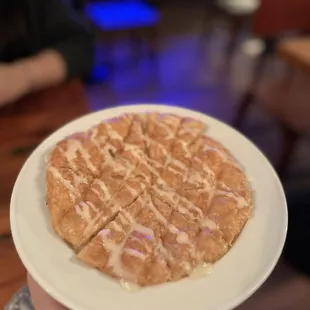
point(40, 299)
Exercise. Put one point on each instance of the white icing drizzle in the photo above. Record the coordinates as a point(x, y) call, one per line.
point(92, 222)
point(207, 223)
point(135, 253)
point(172, 119)
point(98, 140)
point(184, 148)
point(171, 228)
point(182, 238)
point(131, 190)
point(175, 171)
point(92, 206)
point(129, 286)
point(117, 227)
point(116, 250)
point(143, 230)
point(70, 154)
point(115, 254)
point(133, 147)
point(124, 219)
point(104, 190)
point(73, 146)
point(241, 202)
point(167, 193)
point(108, 147)
point(99, 195)
point(204, 167)
point(113, 134)
point(201, 270)
point(151, 169)
point(104, 233)
point(185, 211)
point(177, 163)
point(186, 266)
point(57, 175)
point(192, 206)
point(146, 245)
point(187, 129)
point(224, 186)
point(176, 199)
point(160, 249)
point(82, 209)
point(170, 133)
point(78, 180)
point(195, 178)
point(162, 147)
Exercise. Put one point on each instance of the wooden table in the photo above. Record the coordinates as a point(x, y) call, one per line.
point(23, 126)
point(296, 53)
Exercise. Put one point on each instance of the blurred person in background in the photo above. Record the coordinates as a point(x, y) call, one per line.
point(42, 43)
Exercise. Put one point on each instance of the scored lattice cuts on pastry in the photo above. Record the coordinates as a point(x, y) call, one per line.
point(147, 198)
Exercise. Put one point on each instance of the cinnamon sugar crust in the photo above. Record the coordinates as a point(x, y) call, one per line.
point(147, 198)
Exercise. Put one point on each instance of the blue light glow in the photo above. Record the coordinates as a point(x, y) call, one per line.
point(121, 15)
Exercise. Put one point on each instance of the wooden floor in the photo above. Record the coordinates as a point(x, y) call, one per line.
point(190, 72)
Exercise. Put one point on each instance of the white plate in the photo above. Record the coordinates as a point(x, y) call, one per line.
point(234, 278)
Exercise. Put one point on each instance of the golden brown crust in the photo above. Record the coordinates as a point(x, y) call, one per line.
point(147, 197)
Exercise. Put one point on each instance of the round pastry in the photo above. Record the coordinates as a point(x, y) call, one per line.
point(147, 198)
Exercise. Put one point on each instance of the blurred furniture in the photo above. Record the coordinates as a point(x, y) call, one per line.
point(237, 12)
point(239, 7)
point(275, 18)
point(272, 19)
point(114, 20)
point(23, 126)
point(288, 103)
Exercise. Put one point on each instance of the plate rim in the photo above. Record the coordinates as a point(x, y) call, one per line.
point(56, 294)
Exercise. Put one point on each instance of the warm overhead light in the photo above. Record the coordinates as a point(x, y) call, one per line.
point(253, 47)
